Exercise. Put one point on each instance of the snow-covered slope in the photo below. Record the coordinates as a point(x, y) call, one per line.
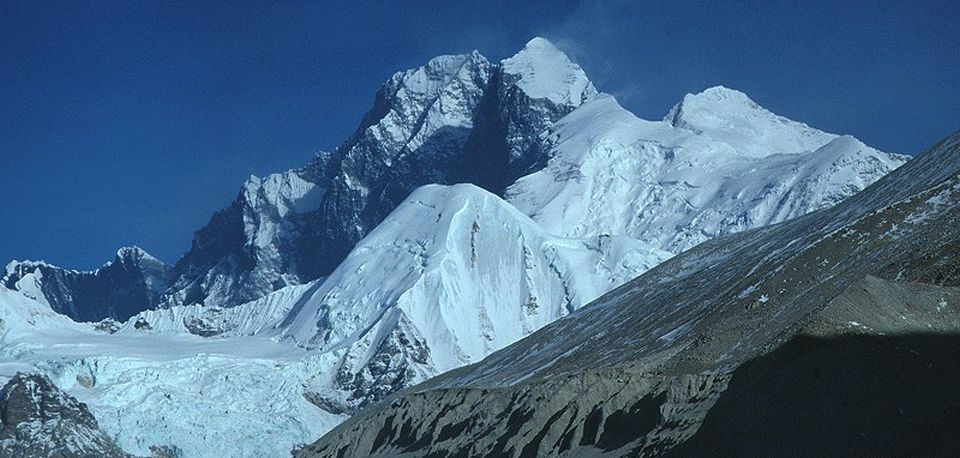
point(23, 318)
point(246, 319)
point(450, 276)
point(612, 173)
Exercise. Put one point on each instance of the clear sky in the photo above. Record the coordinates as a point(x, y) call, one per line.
point(128, 123)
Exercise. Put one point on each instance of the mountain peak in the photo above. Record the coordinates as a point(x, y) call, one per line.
point(541, 43)
point(732, 117)
point(428, 80)
point(131, 252)
point(28, 264)
point(720, 92)
point(136, 255)
point(543, 71)
point(717, 99)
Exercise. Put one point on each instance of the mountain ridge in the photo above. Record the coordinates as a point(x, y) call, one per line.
point(264, 241)
point(118, 289)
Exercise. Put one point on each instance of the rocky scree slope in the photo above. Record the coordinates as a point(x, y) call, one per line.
point(637, 372)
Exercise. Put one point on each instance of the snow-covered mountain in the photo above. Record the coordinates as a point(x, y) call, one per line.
point(729, 116)
point(370, 269)
point(830, 332)
point(459, 118)
point(674, 187)
point(450, 276)
point(132, 282)
point(719, 163)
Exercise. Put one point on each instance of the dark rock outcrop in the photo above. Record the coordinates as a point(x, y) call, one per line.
point(37, 419)
point(134, 281)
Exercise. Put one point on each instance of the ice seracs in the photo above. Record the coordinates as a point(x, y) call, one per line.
point(154, 389)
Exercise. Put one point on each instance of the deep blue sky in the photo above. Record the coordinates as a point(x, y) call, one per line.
point(130, 123)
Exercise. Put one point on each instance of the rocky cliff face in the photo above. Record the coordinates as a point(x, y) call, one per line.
point(254, 246)
point(132, 282)
point(37, 419)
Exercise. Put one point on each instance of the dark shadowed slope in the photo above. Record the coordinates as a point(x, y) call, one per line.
point(853, 395)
